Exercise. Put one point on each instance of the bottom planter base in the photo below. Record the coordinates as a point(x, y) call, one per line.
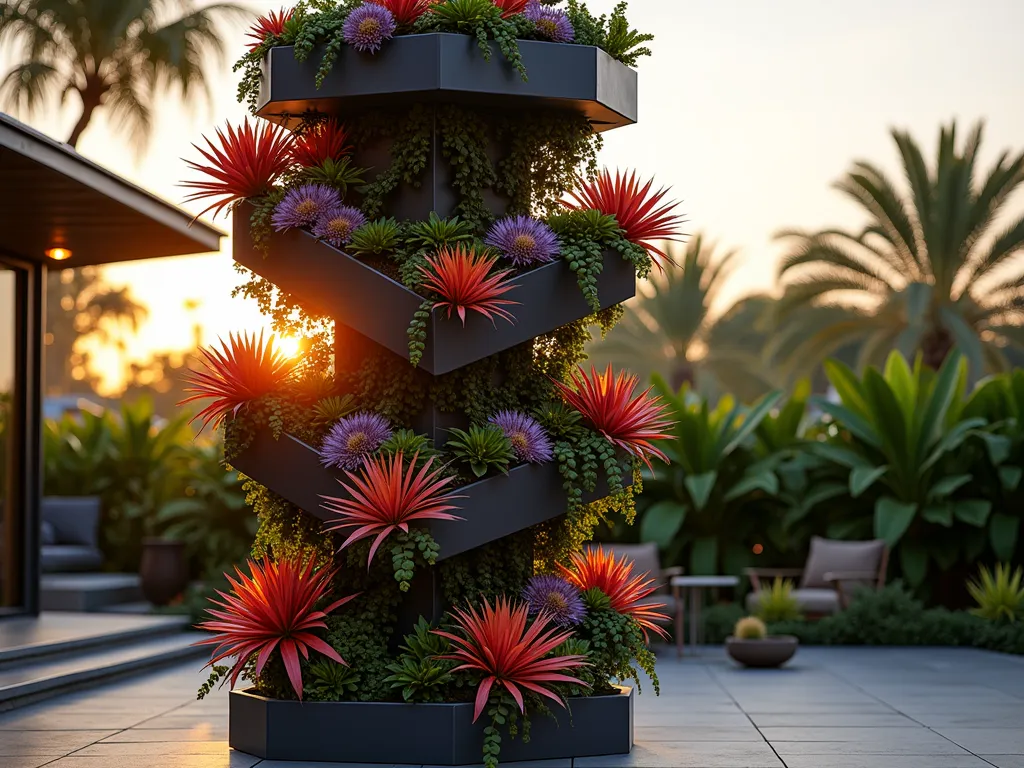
point(434, 734)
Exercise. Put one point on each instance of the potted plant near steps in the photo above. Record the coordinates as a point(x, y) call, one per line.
point(752, 646)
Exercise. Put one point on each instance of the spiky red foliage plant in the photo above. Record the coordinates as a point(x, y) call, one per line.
point(594, 569)
point(386, 494)
point(465, 282)
point(634, 206)
point(498, 643)
point(607, 401)
point(245, 164)
point(405, 11)
point(511, 7)
point(239, 372)
point(326, 140)
point(271, 25)
point(272, 610)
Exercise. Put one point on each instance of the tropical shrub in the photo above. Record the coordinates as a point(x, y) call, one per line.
point(897, 444)
point(700, 508)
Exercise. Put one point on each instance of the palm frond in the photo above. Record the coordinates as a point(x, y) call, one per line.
point(27, 86)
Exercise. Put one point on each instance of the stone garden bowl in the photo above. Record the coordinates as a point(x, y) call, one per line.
point(765, 653)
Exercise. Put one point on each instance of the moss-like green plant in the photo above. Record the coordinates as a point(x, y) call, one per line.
point(750, 628)
point(999, 595)
point(483, 448)
point(776, 602)
point(374, 238)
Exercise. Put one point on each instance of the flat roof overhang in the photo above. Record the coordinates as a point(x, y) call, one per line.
point(50, 197)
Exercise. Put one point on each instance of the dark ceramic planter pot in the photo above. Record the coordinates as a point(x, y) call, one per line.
point(431, 734)
point(164, 570)
point(767, 653)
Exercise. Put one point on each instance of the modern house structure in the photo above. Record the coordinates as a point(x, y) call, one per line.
point(57, 210)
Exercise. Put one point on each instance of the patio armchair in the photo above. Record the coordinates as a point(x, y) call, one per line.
point(645, 558)
point(834, 570)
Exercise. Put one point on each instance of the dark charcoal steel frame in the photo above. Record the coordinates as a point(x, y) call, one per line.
point(491, 508)
point(449, 68)
point(381, 309)
point(431, 734)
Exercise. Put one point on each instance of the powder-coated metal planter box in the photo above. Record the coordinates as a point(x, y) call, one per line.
point(420, 734)
point(449, 68)
point(381, 309)
point(492, 508)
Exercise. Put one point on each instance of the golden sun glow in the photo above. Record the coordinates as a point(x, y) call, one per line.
point(289, 346)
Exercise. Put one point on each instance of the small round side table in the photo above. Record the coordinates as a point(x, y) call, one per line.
point(695, 586)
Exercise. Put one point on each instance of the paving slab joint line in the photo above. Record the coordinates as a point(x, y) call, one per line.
point(718, 682)
point(855, 686)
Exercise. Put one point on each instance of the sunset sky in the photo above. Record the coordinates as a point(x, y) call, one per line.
point(748, 110)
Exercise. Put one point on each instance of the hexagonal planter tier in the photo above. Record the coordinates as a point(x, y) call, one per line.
point(449, 68)
point(381, 309)
point(432, 734)
point(494, 507)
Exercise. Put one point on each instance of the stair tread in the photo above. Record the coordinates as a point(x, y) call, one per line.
point(60, 632)
point(46, 673)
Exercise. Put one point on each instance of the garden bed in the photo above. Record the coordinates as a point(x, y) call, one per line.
point(492, 508)
point(359, 297)
point(434, 734)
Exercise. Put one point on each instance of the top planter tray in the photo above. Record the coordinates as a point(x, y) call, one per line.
point(381, 309)
point(447, 68)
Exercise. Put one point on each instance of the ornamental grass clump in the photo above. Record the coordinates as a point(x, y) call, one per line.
point(999, 594)
point(464, 282)
point(776, 602)
point(594, 569)
point(245, 165)
point(272, 611)
point(242, 371)
point(631, 423)
point(385, 496)
point(644, 219)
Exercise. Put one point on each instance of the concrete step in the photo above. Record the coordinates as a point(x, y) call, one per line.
point(27, 638)
point(49, 676)
point(88, 591)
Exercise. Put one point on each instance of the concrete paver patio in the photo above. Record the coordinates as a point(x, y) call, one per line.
point(831, 708)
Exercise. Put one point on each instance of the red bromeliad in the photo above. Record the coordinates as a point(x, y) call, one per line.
point(274, 609)
point(635, 208)
point(511, 7)
point(497, 642)
point(464, 281)
point(386, 495)
point(241, 371)
point(324, 141)
point(632, 423)
point(271, 25)
point(593, 569)
point(245, 164)
point(405, 11)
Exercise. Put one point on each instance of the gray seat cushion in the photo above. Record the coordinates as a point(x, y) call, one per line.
point(820, 601)
point(76, 519)
point(832, 556)
point(63, 558)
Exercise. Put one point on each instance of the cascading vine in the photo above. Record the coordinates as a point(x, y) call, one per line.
point(443, 263)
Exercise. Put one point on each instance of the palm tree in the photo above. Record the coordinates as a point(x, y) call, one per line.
point(668, 328)
point(116, 54)
point(930, 270)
